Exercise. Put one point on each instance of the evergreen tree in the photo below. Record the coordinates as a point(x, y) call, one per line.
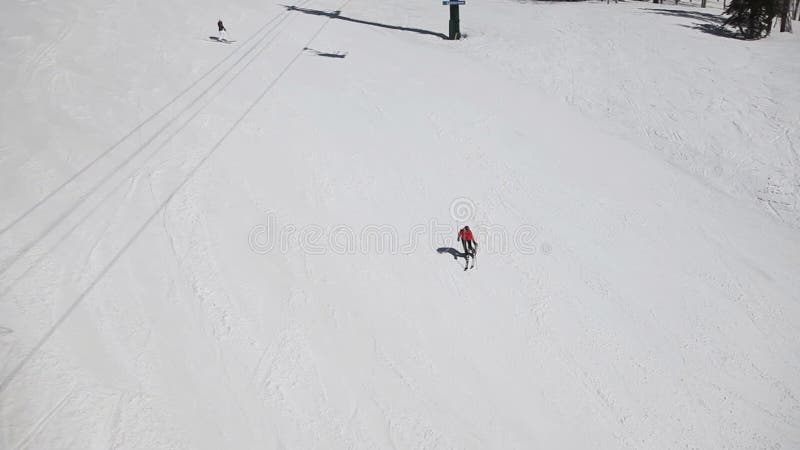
point(752, 17)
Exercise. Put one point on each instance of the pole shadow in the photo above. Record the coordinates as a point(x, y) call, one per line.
point(338, 15)
point(326, 54)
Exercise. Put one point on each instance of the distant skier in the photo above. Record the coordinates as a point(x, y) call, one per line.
point(469, 243)
point(223, 33)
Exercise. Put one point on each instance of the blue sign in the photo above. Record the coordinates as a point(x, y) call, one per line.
point(454, 2)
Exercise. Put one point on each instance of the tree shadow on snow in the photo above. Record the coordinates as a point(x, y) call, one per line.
point(697, 15)
point(716, 30)
point(709, 23)
point(338, 15)
point(451, 251)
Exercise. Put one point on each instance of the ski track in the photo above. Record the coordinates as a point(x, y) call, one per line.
point(219, 315)
point(114, 171)
point(393, 400)
point(127, 179)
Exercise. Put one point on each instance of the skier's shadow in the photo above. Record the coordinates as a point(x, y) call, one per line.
point(451, 251)
point(220, 40)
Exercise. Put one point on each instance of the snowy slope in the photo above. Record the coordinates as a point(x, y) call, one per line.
point(722, 109)
point(188, 250)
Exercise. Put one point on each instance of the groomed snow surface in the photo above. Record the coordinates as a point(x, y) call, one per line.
point(250, 245)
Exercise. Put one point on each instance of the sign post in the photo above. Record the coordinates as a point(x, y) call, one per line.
point(455, 21)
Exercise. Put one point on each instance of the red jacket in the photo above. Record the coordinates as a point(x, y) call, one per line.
point(465, 235)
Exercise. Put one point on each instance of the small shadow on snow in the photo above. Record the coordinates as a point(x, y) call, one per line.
point(451, 251)
point(339, 55)
point(223, 41)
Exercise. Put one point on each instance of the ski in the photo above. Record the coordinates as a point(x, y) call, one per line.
point(467, 265)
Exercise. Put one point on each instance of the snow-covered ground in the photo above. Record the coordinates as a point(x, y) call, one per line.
point(659, 76)
point(245, 245)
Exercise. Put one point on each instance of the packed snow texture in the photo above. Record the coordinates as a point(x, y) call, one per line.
point(210, 245)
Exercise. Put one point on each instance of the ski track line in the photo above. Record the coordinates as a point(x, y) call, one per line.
point(27, 247)
point(7, 355)
point(138, 127)
point(114, 421)
point(4, 385)
point(116, 169)
point(34, 64)
point(123, 182)
point(37, 428)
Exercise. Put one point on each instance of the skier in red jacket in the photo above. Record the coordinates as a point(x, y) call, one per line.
point(469, 243)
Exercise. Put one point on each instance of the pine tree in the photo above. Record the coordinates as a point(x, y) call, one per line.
point(752, 17)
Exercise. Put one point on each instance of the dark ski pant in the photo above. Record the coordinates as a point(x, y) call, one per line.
point(469, 248)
